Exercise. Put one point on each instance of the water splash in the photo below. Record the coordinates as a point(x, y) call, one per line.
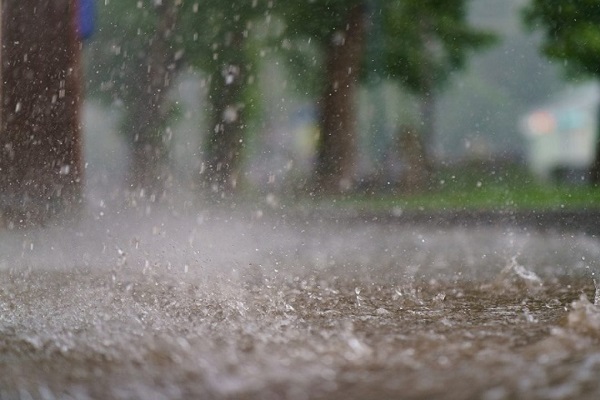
point(584, 317)
point(526, 274)
point(523, 275)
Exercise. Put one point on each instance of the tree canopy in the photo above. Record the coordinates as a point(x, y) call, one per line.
point(571, 32)
point(318, 20)
point(427, 40)
point(422, 43)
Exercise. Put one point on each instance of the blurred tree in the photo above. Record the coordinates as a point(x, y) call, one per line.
point(338, 27)
point(571, 34)
point(147, 119)
point(40, 145)
point(137, 55)
point(218, 40)
point(426, 41)
point(140, 50)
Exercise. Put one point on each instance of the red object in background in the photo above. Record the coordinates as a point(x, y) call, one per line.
point(541, 122)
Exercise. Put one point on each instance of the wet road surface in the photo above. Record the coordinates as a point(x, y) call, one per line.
point(231, 307)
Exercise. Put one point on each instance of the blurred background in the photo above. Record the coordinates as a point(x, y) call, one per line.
point(372, 103)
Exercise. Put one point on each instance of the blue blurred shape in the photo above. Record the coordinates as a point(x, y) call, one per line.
point(571, 120)
point(86, 18)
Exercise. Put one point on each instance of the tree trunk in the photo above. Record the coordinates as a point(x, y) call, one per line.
point(40, 142)
point(595, 168)
point(427, 109)
point(225, 141)
point(337, 142)
point(428, 114)
point(148, 115)
point(416, 175)
point(420, 165)
point(427, 93)
point(416, 147)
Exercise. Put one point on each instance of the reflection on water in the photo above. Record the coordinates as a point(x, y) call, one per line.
point(216, 307)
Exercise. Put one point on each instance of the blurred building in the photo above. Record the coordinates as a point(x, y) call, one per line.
point(561, 135)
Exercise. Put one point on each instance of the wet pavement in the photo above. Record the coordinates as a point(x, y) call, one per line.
point(241, 305)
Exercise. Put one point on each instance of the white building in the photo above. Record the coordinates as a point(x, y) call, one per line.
point(561, 135)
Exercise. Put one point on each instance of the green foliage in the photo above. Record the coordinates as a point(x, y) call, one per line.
point(420, 42)
point(571, 32)
point(119, 48)
point(208, 28)
point(427, 40)
point(316, 19)
point(424, 40)
point(308, 27)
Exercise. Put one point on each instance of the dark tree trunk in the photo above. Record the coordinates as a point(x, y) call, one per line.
point(40, 142)
point(428, 124)
point(595, 168)
point(417, 147)
point(148, 115)
point(427, 132)
point(337, 142)
point(416, 174)
point(225, 142)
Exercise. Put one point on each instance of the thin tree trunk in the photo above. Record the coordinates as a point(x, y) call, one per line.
point(337, 143)
point(225, 141)
point(428, 114)
point(416, 146)
point(415, 176)
point(595, 168)
point(40, 142)
point(422, 169)
point(148, 116)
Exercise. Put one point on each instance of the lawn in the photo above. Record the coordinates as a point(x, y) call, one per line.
point(477, 187)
